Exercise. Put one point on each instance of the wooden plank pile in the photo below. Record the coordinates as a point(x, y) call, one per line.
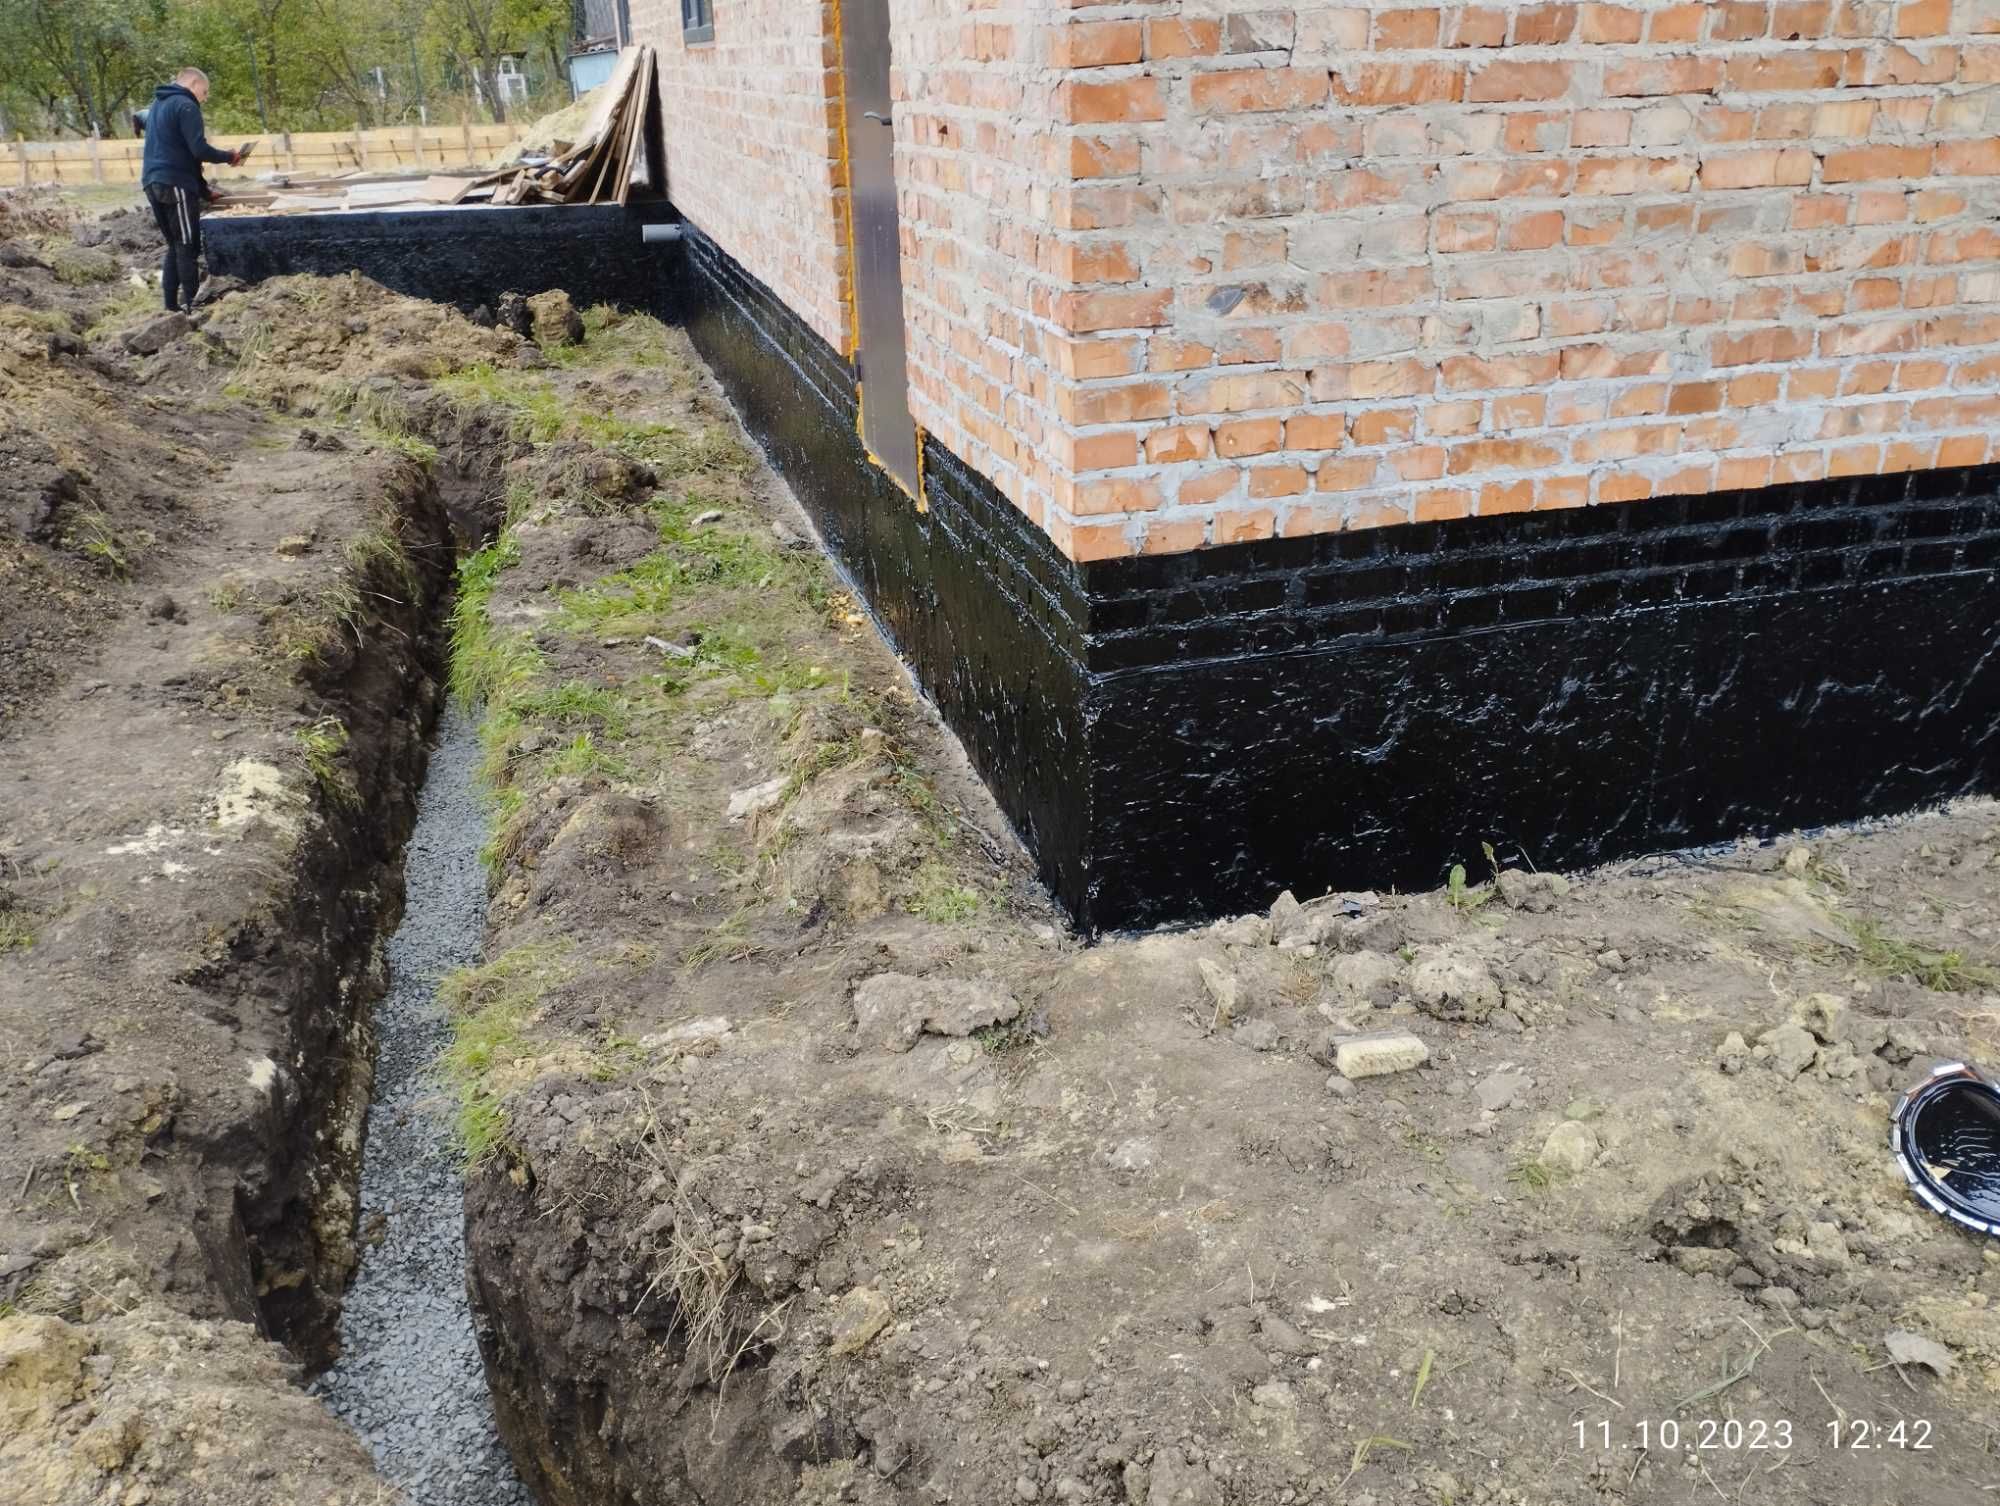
point(614, 156)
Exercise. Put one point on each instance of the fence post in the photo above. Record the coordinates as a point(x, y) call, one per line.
point(96, 159)
point(417, 140)
point(285, 150)
point(465, 130)
point(361, 145)
point(21, 152)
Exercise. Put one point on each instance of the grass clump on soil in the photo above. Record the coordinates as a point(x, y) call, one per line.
point(16, 935)
point(322, 744)
point(94, 536)
point(490, 1008)
point(1945, 972)
point(77, 267)
point(538, 415)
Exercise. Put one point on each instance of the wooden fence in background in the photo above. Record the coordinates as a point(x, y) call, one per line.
point(307, 153)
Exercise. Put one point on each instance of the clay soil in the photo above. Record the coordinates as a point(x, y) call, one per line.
point(811, 1157)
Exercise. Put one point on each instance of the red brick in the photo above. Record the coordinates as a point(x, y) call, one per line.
point(1174, 535)
point(1509, 81)
point(1739, 20)
point(1346, 475)
point(1096, 44)
point(1544, 25)
point(1785, 72)
point(1475, 26)
point(1364, 84)
point(1776, 169)
point(1247, 90)
point(1083, 313)
point(1506, 496)
point(1503, 455)
point(1800, 20)
point(1131, 99)
point(1399, 29)
point(1243, 525)
point(1760, 347)
point(1250, 436)
point(1186, 37)
point(1677, 23)
point(1267, 481)
point(1962, 159)
point(1383, 426)
point(1611, 23)
point(1673, 75)
point(1857, 164)
point(1177, 442)
point(1315, 431)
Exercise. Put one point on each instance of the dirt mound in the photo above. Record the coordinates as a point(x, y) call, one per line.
point(128, 233)
point(34, 212)
point(313, 344)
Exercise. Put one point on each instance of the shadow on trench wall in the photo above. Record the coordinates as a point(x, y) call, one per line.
point(1182, 736)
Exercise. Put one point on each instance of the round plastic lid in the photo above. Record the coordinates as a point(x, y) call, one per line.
point(1945, 1134)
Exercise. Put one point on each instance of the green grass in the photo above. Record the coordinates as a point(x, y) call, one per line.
point(539, 415)
point(79, 267)
point(123, 311)
point(488, 663)
point(1532, 1176)
point(490, 1008)
point(93, 535)
point(322, 744)
point(938, 897)
point(16, 935)
point(410, 446)
point(1893, 957)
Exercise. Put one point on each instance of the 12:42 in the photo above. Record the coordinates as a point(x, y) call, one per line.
point(1913, 1434)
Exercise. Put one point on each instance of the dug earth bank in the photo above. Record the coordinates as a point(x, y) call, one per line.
point(810, 1156)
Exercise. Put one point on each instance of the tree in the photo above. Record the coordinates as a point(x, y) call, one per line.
point(480, 32)
point(93, 58)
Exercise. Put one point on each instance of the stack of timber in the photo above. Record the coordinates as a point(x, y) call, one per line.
point(615, 155)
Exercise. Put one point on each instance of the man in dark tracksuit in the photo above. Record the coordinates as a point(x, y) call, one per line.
point(176, 147)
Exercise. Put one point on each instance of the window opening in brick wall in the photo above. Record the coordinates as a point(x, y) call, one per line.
point(697, 20)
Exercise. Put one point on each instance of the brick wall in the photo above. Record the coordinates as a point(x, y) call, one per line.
point(981, 179)
point(1349, 265)
point(753, 144)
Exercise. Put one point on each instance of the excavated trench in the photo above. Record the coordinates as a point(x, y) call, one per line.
point(409, 1379)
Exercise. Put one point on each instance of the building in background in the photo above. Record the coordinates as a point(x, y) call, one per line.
point(601, 30)
point(1299, 446)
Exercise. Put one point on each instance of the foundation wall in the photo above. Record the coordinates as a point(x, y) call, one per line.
point(1184, 734)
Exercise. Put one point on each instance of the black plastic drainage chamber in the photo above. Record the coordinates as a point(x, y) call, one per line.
point(1946, 1137)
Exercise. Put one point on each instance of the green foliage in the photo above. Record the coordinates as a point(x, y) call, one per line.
point(938, 897)
point(273, 65)
point(322, 744)
point(16, 935)
point(487, 661)
point(490, 1009)
point(1941, 972)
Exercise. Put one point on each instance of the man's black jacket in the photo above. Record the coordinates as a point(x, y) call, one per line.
point(176, 144)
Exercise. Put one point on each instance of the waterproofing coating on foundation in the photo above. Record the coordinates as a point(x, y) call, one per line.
point(466, 256)
point(1182, 736)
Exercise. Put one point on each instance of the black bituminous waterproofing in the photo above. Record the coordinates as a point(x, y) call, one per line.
point(1946, 1136)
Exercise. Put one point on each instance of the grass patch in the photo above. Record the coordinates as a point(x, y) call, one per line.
point(79, 267)
point(93, 535)
point(538, 414)
point(1892, 957)
point(323, 743)
point(16, 935)
point(938, 897)
point(488, 663)
point(490, 1009)
point(1532, 1176)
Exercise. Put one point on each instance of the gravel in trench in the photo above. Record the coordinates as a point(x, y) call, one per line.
point(409, 1379)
